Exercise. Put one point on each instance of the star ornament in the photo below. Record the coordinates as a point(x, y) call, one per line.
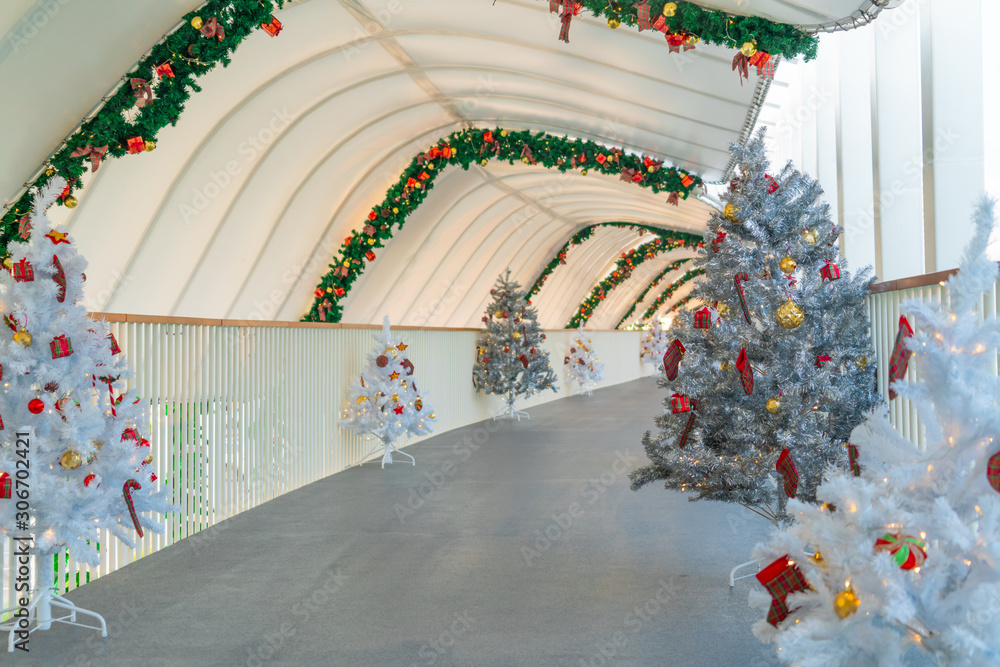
point(398, 409)
point(394, 375)
point(401, 347)
point(57, 237)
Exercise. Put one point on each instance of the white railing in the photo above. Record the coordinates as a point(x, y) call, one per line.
point(241, 413)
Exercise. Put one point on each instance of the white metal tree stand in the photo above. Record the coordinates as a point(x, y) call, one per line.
point(509, 412)
point(43, 601)
point(388, 448)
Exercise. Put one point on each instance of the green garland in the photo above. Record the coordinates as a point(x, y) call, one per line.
point(716, 27)
point(682, 302)
point(623, 270)
point(190, 55)
point(650, 286)
point(685, 240)
point(463, 148)
point(669, 292)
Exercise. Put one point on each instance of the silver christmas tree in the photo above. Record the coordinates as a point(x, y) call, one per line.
point(778, 367)
point(510, 360)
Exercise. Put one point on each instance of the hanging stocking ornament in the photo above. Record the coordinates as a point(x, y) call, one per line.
point(900, 359)
point(127, 492)
point(672, 359)
point(738, 281)
point(786, 468)
point(746, 372)
point(781, 578)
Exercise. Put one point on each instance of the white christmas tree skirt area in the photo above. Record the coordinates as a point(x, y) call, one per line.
point(387, 448)
point(510, 412)
point(39, 611)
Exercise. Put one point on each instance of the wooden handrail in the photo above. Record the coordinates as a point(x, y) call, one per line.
point(925, 280)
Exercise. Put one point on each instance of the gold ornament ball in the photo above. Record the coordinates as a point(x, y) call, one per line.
point(70, 202)
point(8, 263)
point(22, 337)
point(809, 236)
point(723, 309)
point(817, 557)
point(70, 460)
point(726, 366)
point(788, 265)
point(498, 314)
point(863, 363)
point(484, 162)
point(362, 399)
point(670, 9)
point(392, 351)
point(148, 459)
point(846, 603)
point(395, 397)
point(196, 23)
point(773, 405)
point(431, 415)
point(517, 335)
point(584, 172)
point(730, 213)
point(503, 133)
point(50, 172)
point(691, 40)
point(790, 314)
point(613, 23)
point(150, 146)
point(748, 49)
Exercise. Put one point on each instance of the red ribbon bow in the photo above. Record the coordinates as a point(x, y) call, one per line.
point(211, 28)
point(143, 93)
point(95, 153)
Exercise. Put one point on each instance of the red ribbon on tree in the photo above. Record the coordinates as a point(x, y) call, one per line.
point(212, 28)
point(569, 10)
point(718, 240)
point(746, 371)
point(24, 227)
point(95, 153)
point(852, 455)
point(642, 15)
point(786, 468)
point(900, 359)
point(821, 360)
point(738, 281)
point(686, 433)
point(143, 93)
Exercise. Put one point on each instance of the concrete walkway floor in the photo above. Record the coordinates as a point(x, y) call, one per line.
point(507, 544)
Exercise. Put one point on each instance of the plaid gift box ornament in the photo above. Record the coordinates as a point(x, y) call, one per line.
point(786, 468)
point(821, 360)
point(672, 359)
point(746, 372)
point(272, 28)
point(370, 256)
point(22, 271)
point(993, 472)
point(900, 359)
point(136, 145)
point(680, 403)
point(5, 483)
point(703, 319)
point(165, 71)
point(686, 433)
point(852, 455)
point(830, 271)
point(781, 578)
point(61, 347)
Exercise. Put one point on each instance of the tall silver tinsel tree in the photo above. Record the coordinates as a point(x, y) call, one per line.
point(510, 360)
point(778, 368)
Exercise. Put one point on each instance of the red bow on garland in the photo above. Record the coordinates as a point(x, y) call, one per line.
point(642, 15)
point(674, 198)
point(211, 28)
point(143, 93)
point(95, 153)
point(569, 10)
point(761, 60)
point(633, 175)
point(526, 153)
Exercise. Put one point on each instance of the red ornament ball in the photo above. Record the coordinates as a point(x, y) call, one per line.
point(418, 404)
point(382, 361)
point(35, 406)
point(90, 479)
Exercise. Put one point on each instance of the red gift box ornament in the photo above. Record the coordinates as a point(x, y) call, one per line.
point(272, 28)
point(136, 145)
point(114, 345)
point(689, 426)
point(821, 360)
point(165, 71)
point(746, 371)
point(786, 468)
point(22, 271)
point(5, 482)
point(370, 256)
point(680, 403)
point(781, 578)
point(900, 359)
point(672, 359)
point(703, 319)
point(338, 291)
point(830, 272)
point(852, 455)
point(61, 347)
point(687, 180)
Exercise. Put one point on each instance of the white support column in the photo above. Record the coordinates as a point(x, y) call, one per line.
point(855, 147)
point(899, 145)
point(953, 49)
point(825, 104)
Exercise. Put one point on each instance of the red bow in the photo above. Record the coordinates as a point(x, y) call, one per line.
point(674, 198)
point(143, 93)
point(95, 153)
point(211, 28)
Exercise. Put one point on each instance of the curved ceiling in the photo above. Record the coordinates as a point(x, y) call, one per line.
point(240, 208)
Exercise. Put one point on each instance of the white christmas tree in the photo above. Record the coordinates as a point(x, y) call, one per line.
point(903, 554)
point(582, 365)
point(384, 401)
point(653, 344)
point(73, 457)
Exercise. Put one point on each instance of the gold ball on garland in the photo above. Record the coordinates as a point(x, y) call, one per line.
point(503, 133)
point(670, 9)
point(196, 23)
point(150, 146)
point(809, 236)
point(846, 603)
point(70, 202)
point(395, 210)
point(584, 172)
point(22, 337)
point(371, 241)
point(50, 172)
point(790, 314)
point(788, 265)
point(395, 398)
point(773, 405)
point(516, 335)
point(691, 40)
point(484, 162)
point(730, 213)
point(748, 48)
point(613, 23)
point(70, 460)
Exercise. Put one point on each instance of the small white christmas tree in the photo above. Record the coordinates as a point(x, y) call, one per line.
point(582, 365)
point(510, 359)
point(903, 554)
point(384, 401)
point(653, 344)
point(73, 457)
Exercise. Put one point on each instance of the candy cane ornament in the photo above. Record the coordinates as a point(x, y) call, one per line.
point(738, 281)
point(127, 492)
